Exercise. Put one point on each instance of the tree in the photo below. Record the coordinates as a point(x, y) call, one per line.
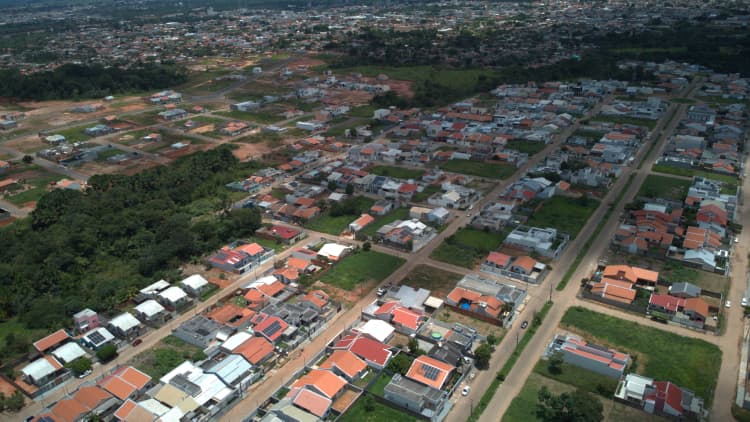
point(369, 404)
point(492, 340)
point(106, 353)
point(79, 366)
point(332, 186)
point(15, 402)
point(399, 364)
point(576, 406)
point(349, 189)
point(28, 159)
point(366, 246)
point(483, 355)
point(414, 347)
point(555, 362)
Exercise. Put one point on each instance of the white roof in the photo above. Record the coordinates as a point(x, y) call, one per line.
point(636, 384)
point(149, 308)
point(332, 250)
point(155, 287)
point(125, 321)
point(211, 386)
point(378, 329)
point(195, 281)
point(154, 407)
point(38, 369)
point(452, 196)
point(261, 281)
point(84, 313)
point(236, 340)
point(69, 352)
point(104, 336)
point(232, 369)
point(173, 294)
point(433, 302)
point(174, 415)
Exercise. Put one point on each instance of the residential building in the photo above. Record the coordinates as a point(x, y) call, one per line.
point(125, 326)
point(546, 242)
point(97, 338)
point(430, 371)
point(201, 331)
point(195, 285)
point(660, 397)
point(240, 257)
point(150, 312)
point(416, 397)
point(593, 357)
point(51, 341)
point(85, 320)
point(345, 364)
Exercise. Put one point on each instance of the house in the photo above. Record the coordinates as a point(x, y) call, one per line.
point(201, 331)
point(430, 372)
point(125, 383)
point(195, 285)
point(125, 326)
point(692, 311)
point(97, 338)
point(53, 340)
point(322, 382)
point(42, 371)
point(702, 258)
point(272, 328)
point(360, 223)
point(620, 291)
point(375, 353)
point(415, 396)
point(316, 299)
point(151, 291)
point(684, 290)
point(255, 350)
point(151, 311)
point(282, 234)
point(633, 275)
point(173, 114)
point(546, 242)
point(660, 397)
point(231, 315)
point(68, 352)
point(96, 400)
point(596, 358)
point(232, 370)
point(206, 389)
point(334, 251)
point(173, 298)
point(469, 300)
point(4, 166)
point(312, 402)
point(345, 364)
point(240, 257)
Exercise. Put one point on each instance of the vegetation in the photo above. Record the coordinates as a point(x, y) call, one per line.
point(397, 172)
point(565, 214)
point(400, 363)
point(373, 411)
point(378, 387)
point(626, 121)
point(97, 248)
point(426, 193)
point(170, 353)
point(528, 147)
point(440, 282)
point(14, 403)
point(577, 406)
point(479, 168)
point(664, 187)
point(88, 81)
point(467, 246)
point(396, 214)
point(361, 267)
point(106, 353)
point(79, 366)
point(483, 355)
point(696, 369)
point(578, 377)
point(730, 181)
point(338, 217)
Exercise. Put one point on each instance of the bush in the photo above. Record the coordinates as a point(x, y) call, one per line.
point(106, 353)
point(79, 366)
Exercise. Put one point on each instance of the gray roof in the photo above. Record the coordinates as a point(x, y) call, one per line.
point(412, 390)
point(686, 289)
point(409, 296)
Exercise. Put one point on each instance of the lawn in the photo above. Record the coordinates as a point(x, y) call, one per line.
point(39, 188)
point(690, 363)
point(379, 413)
point(731, 181)
point(335, 225)
point(257, 116)
point(650, 124)
point(366, 111)
point(208, 120)
point(479, 168)
point(268, 243)
point(523, 406)
point(426, 193)
point(107, 153)
point(361, 268)
point(664, 187)
point(397, 172)
point(73, 134)
point(439, 282)
point(378, 387)
point(565, 214)
point(578, 377)
point(167, 355)
point(467, 246)
point(528, 147)
point(396, 214)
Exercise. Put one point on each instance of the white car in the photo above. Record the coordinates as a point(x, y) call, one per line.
point(736, 240)
point(465, 391)
point(727, 304)
point(744, 301)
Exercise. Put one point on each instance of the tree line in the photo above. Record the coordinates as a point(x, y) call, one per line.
point(73, 81)
point(97, 248)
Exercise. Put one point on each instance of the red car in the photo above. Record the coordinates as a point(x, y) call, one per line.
point(136, 342)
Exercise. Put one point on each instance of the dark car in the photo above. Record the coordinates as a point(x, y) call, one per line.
point(524, 324)
point(137, 342)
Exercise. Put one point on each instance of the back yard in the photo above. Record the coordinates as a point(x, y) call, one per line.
point(565, 214)
point(361, 268)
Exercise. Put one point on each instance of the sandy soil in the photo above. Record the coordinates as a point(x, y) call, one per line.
point(27, 144)
point(246, 152)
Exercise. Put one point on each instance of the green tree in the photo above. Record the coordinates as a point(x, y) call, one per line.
point(366, 246)
point(414, 347)
point(483, 354)
point(369, 404)
point(575, 406)
point(28, 159)
point(15, 402)
point(79, 366)
point(399, 364)
point(106, 353)
point(349, 189)
point(332, 186)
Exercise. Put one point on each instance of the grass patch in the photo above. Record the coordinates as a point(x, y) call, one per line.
point(73, 134)
point(664, 187)
point(439, 282)
point(397, 172)
point(16, 339)
point(396, 214)
point(38, 189)
point(528, 147)
point(730, 181)
point(378, 387)
point(682, 100)
point(108, 153)
point(697, 367)
point(565, 214)
point(167, 355)
point(360, 268)
point(379, 413)
point(268, 243)
point(258, 116)
point(426, 193)
point(208, 120)
point(335, 225)
point(365, 112)
point(467, 246)
point(479, 168)
point(650, 124)
point(490, 392)
point(580, 378)
point(212, 290)
point(740, 414)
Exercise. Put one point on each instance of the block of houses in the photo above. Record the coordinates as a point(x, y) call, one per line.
point(660, 397)
point(633, 275)
point(125, 326)
point(596, 358)
point(195, 285)
point(687, 311)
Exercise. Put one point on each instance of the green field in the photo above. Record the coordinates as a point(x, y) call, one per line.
point(528, 147)
point(664, 187)
point(378, 387)
point(580, 378)
point(16, 339)
point(361, 267)
point(335, 225)
point(396, 214)
point(38, 188)
point(363, 111)
point(730, 181)
point(626, 120)
point(397, 172)
point(73, 134)
point(479, 168)
point(640, 50)
point(565, 214)
point(690, 363)
point(107, 153)
point(426, 193)
point(167, 355)
point(379, 413)
point(523, 406)
point(439, 282)
point(468, 246)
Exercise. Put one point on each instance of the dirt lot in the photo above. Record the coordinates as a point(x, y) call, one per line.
point(129, 168)
point(27, 144)
point(483, 328)
point(345, 400)
point(246, 152)
point(348, 97)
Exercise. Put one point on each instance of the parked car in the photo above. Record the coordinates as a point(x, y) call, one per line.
point(136, 342)
point(381, 292)
point(465, 391)
point(727, 304)
point(524, 325)
point(744, 301)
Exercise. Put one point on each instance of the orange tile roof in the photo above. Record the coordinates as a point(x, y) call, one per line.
point(255, 350)
point(406, 317)
point(69, 410)
point(313, 402)
point(498, 258)
point(51, 340)
point(318, 298)
point(698, 305)
point(271, 289)
point(423, 365)
point(288, 273)
point(525, 262)
point(134, 377)
point(632, 274)
point(346, 361)
point(91, 396)
point(230, 314)
point(297, 263)
point(328, 383)
point(117, 387)
point(251, 249)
